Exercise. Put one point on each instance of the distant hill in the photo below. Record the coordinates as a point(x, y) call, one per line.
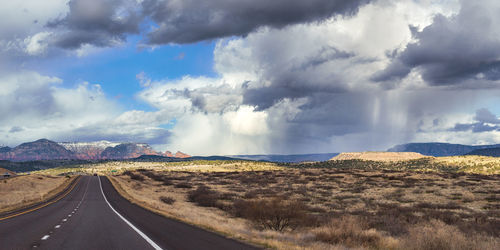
point(158, 158)
point(5, 149)
point(439, 149)
point(288, 158)
point(28, 166)
point(127, 150)
point(44, 149)
point(495, 152)
point(213, 158)
point(4, 171)
point(379, 156)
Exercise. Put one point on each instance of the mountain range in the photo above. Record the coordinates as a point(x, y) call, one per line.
point(44, 149)
point(447, 149)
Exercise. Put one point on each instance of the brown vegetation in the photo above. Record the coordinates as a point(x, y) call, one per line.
point(318, 208)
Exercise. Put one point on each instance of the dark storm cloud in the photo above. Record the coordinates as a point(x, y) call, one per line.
point(451, 50)
point(300, 80)
point(16, 129)
point(216, 99)
point(97, 22)
point(191, 21)
point(324, 55)
point(485, 116)
point(484, 121)
point(118, 133)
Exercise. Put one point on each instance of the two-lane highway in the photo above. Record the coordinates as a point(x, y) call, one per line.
point(94, 216)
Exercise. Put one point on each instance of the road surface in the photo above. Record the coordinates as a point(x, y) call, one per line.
point(94, 216)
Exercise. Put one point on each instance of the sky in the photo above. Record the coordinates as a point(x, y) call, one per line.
point(251, 76)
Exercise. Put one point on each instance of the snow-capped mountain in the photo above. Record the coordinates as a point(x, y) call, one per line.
point(48, 150)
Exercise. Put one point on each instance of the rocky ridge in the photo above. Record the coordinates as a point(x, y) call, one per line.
point(44, 149)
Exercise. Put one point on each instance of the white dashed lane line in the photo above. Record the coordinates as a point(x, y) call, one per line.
point(45, 237)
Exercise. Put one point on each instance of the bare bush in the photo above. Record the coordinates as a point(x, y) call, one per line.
point(275, 214)
point(183, 185)
point(436, 235)
point(204, 196)
point(167, 200)
point(349, 231)
point(134, 176)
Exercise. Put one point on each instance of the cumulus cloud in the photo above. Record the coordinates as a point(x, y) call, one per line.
point(290, 76)
point(74, 24)
point(37, 44)
point(454, 49)
point(484, 121)
point(191, 21)
point(34, 106)
point(309, 86)
point(99, 23)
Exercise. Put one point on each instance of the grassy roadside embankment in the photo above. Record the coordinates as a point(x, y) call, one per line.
point(24, 191)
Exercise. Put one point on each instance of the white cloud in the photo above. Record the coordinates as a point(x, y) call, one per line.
point(28, 16)
point(34, 106)
point(247, 121)
point(37, 44)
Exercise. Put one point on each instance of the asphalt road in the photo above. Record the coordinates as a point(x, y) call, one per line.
point(94, 216)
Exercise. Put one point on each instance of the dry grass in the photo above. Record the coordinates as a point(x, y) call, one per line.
point(374, 209)
point(472, 163)
point(453, 164)
point(437, 235)
point(118, 167)
point(25, 190)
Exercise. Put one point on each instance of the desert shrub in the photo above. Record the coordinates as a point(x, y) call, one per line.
point(167, 200)
point(392, 218)
point(153, 175)
point(449, 205)
point(204, 196)
point(134, 176)
point(137, 177)
point(250, 194)
point(228, 196)
point(183, 185)
point(349, 231)
point(275, 214)
point(167, 182)
point(436, 235)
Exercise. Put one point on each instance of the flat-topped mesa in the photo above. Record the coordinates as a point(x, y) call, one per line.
point(379, 156)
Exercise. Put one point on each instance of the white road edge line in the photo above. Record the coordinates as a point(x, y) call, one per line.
point(143, 235)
